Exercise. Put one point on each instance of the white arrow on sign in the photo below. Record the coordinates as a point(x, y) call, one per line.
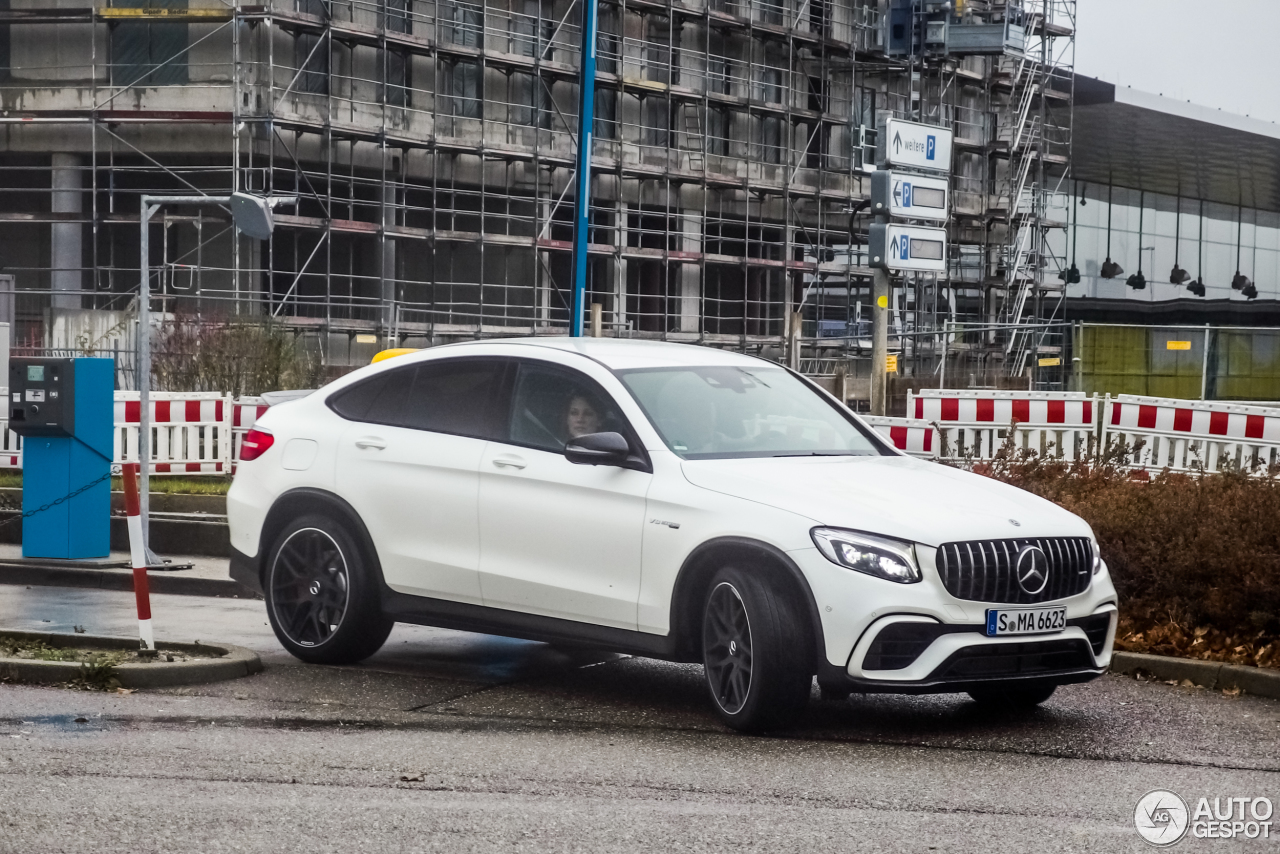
point(909, 196)
point(909, 247)
point(917, 146)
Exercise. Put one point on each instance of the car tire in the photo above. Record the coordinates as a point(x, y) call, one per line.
point(322, 599)
point(756, 654)
point(1012, 697)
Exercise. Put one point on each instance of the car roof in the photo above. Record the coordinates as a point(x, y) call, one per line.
point(624, 354)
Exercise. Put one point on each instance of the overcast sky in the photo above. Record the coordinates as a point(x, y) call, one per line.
point(1218, 53)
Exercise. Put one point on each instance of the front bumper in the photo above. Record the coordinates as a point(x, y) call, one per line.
point(911, 655)
point(937, 643)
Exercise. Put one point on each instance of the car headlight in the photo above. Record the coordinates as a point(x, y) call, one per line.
point(1097, 558)
point(893, 560)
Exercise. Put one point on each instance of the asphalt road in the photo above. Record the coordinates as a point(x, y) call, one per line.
point(515, 746)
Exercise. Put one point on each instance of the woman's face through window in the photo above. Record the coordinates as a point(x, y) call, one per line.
point(581, 418)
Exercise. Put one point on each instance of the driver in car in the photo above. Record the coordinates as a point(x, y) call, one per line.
point(581, 417)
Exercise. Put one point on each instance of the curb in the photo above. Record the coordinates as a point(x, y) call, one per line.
point(1261, 682)
point(235, 662)
point(173, 583)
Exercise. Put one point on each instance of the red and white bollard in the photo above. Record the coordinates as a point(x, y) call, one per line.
point(138, 554)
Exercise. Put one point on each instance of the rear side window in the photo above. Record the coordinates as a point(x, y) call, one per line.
point(459, 396)
point(378, 399)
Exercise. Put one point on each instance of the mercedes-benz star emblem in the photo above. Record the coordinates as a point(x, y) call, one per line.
point(1032, 569)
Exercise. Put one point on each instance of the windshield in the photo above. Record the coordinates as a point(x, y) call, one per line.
point(727, 412)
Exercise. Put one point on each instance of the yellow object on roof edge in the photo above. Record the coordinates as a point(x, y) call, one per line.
point(392, 353)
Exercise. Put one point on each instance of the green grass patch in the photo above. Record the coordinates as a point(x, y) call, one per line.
point(212, 485)
point(33, 650)
point(97, 666)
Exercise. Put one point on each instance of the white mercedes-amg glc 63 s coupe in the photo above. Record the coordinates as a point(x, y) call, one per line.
point(663, 500)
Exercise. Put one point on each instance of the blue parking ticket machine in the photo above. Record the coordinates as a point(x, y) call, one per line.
point(63, 410)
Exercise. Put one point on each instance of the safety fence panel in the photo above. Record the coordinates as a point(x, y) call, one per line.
point(189, 431)
point(910, 435)
point(974, 424)
point(1188, 435)
point(10, 448)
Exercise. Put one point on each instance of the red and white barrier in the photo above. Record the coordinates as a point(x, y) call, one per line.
point(138, 554)
point(192, 432)
point(913, 436)
point(1180, 435)
point(975, 424)
point(1186, 435)
point(10, 448)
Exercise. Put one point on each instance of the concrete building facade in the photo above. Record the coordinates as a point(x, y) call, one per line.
point(431, 145)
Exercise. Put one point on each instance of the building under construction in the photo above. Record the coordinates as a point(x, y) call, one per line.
point(431, 147)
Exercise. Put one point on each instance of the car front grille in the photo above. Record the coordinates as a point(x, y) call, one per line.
point(986, 570)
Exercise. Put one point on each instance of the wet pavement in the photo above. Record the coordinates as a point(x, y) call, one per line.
point(453, 741)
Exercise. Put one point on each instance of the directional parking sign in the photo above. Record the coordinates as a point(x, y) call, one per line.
point(908, 247)
point(905, 195)
point(916, 146)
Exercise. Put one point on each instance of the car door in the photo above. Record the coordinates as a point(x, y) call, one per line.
point(559, 539)
point(409, 465)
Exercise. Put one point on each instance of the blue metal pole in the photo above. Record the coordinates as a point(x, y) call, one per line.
point(582, 197)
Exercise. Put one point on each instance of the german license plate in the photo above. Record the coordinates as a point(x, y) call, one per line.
point(1025, 621)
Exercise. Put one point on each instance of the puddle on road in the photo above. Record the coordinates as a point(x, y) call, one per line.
point(33, 725)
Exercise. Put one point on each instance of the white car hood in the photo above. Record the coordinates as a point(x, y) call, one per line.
point(895, 496)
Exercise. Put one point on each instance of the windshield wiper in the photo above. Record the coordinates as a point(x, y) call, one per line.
point(823, 454)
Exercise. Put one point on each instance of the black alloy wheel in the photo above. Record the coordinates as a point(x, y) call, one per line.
point(726, 643)
point(757, 651)
point(309, 587)
point(322, 595)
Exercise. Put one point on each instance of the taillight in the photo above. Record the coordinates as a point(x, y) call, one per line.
point(255, 444)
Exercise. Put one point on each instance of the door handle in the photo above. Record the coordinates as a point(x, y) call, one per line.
point(367, 442)
point(509, 463)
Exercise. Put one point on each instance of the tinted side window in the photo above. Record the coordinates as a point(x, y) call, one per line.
point(377, 399)
point(552, 405)
point(458, 396)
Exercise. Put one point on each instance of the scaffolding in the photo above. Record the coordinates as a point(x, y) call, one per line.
point(431, 145)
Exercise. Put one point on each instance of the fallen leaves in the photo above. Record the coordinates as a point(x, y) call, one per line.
point(1201, 642)
point(126, 690)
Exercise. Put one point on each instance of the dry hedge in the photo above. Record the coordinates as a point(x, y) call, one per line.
point(1188, 552)
point(232, 355)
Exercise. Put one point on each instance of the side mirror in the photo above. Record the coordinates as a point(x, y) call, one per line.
point(598, 449)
